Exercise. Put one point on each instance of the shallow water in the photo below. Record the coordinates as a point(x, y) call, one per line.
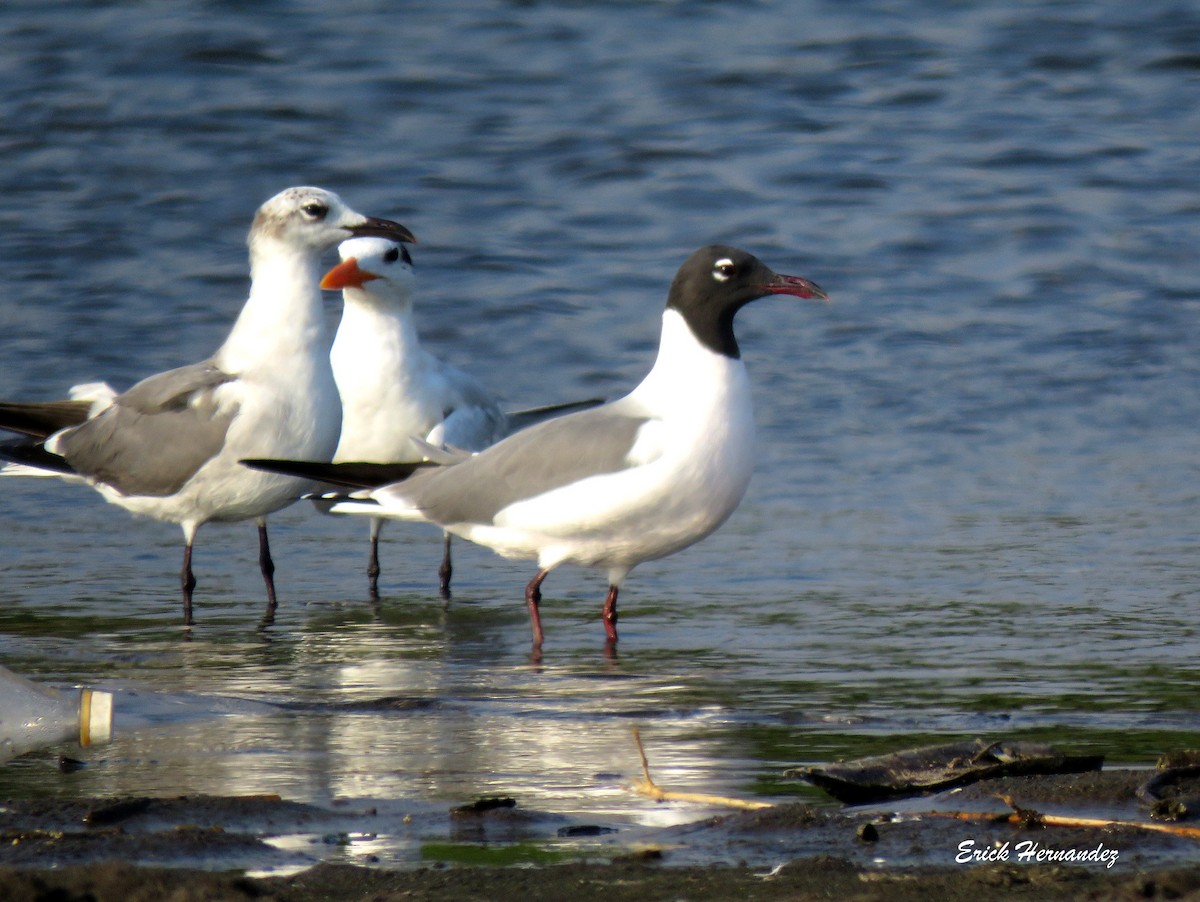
point(975, 510)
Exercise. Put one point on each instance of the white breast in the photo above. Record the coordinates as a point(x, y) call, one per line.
point(690, 467)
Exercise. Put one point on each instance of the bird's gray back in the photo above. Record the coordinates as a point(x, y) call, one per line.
point(155, 436)
point(537, 460)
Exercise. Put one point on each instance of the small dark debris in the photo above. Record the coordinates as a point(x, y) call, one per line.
point(107, 815)
point(1027, 818)
point(937, 767)
point(482, 806)
point(68, 765)
point(1167, 793)
point(867, 832)
point(578, 830)
point(640, 855)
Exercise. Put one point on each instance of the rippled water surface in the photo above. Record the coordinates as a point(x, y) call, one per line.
point(975, 510)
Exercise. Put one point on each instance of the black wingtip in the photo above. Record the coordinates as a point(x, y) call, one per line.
point(352, 474)
point(34, 454)
point(523, 419)
point(42, 419)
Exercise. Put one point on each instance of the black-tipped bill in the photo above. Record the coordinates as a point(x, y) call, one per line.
point(382, 228)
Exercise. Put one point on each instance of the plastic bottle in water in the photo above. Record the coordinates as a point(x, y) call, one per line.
point(33, 716)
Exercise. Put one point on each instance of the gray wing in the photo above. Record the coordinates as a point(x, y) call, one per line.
point(544, 457)
point(155, 436)
point(472, 418)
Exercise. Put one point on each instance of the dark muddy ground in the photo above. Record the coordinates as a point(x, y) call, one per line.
point(823, 878)
point(201, 848)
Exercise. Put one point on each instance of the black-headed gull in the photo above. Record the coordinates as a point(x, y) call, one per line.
point(631, 481)
point(169, 447)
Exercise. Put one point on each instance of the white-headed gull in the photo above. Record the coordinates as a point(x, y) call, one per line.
point(393, 390)
point(634, 480)
point(169, 447)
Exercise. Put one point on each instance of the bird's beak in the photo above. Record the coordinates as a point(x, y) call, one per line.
point(794, 285)
point(346, 275)
point(381, 228)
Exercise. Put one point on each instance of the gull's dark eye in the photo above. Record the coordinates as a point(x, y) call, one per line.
point(315, 211)
point(392, 255)
point(724, 269)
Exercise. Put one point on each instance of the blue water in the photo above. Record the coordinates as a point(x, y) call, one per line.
point(975, 510)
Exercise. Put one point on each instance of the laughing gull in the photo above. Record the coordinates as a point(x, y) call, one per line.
point(169, 447)
point(631, 481)
point(394, 391)
point(41, 419)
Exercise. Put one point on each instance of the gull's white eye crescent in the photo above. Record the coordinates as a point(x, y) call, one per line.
point(723, 269)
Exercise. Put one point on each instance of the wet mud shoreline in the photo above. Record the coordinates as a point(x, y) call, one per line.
point(204, 848)
point(818, 879)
